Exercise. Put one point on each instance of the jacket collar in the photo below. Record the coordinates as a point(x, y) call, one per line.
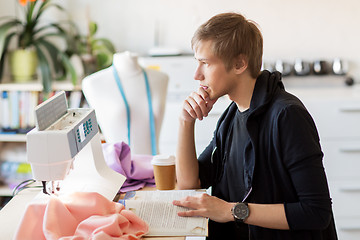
point(265, 87)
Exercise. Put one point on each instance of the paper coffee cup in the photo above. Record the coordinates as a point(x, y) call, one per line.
point(164, 171)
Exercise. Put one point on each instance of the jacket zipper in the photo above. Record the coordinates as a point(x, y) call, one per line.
point(247, 195)
point(212, 155)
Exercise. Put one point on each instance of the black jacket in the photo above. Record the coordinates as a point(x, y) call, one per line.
point(282, 162)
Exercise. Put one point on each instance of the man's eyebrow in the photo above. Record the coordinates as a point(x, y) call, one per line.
point(201, 59)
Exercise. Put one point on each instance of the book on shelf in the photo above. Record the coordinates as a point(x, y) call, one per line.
point(14, 109)
point(13, 165)
point(34, 101)
point(5, 110)
point(17, 109)
point(23, 100)
point(156, 208)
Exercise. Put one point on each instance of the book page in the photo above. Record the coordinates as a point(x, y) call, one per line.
point(156, 208)
point(159, 195)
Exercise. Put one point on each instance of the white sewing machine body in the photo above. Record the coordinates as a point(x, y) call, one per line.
point(51, 151)
point(60, 142)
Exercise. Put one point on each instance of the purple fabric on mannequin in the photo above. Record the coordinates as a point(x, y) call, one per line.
point(136, 168)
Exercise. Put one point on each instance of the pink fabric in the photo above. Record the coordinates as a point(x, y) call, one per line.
point(80, 216)
point(136, 168)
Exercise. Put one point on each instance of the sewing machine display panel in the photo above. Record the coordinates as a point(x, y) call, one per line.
point(84, 130)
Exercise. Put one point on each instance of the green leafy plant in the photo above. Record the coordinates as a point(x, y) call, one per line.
point(96, 53)
point(31, 32)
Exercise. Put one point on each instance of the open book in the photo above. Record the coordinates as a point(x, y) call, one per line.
point(156, 208)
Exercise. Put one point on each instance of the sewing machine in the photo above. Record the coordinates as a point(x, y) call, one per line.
point(65, 151)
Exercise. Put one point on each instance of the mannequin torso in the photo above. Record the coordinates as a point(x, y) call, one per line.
point(103, 94)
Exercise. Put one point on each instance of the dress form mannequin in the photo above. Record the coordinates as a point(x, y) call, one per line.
point(103, 94)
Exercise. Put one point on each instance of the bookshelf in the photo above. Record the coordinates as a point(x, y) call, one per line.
point(9, 139)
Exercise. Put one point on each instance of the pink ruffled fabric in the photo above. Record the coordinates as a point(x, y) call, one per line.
point(80, 216)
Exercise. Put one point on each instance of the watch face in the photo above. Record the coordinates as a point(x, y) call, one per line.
point(241, 211)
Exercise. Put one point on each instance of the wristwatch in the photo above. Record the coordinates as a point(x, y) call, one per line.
point(240, 212)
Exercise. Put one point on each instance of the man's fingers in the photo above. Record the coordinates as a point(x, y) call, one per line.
point(195, 106)
point(200, 104)
point(204, 94)
point(193, 202)
point(208, 102)
point(190, 213)
point(184, 203)
point(204, 205)
point(188, 107)
point(194, 109)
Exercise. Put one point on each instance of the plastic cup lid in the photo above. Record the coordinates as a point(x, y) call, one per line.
point(163, 160)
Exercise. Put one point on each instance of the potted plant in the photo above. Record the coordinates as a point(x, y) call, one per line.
point(95, 53)
point(32, 34)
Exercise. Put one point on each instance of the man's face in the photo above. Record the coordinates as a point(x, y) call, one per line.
point(211, 71)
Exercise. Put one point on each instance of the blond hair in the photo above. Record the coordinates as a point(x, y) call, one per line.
point(232, 36)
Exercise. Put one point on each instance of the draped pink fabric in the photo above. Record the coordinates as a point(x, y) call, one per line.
point(80, 216)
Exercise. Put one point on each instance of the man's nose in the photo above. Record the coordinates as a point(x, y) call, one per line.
point(199, 75)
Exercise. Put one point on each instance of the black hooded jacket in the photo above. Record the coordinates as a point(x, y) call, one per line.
point(282, 164)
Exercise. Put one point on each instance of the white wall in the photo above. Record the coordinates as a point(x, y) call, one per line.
point(308, 29)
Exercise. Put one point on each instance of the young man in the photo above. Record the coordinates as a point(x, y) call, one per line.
point(264, 162)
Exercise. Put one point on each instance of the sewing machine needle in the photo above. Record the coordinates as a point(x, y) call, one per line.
point(52, 187)
point(44, 187)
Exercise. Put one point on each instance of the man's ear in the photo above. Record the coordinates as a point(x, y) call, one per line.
point(240, 64)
